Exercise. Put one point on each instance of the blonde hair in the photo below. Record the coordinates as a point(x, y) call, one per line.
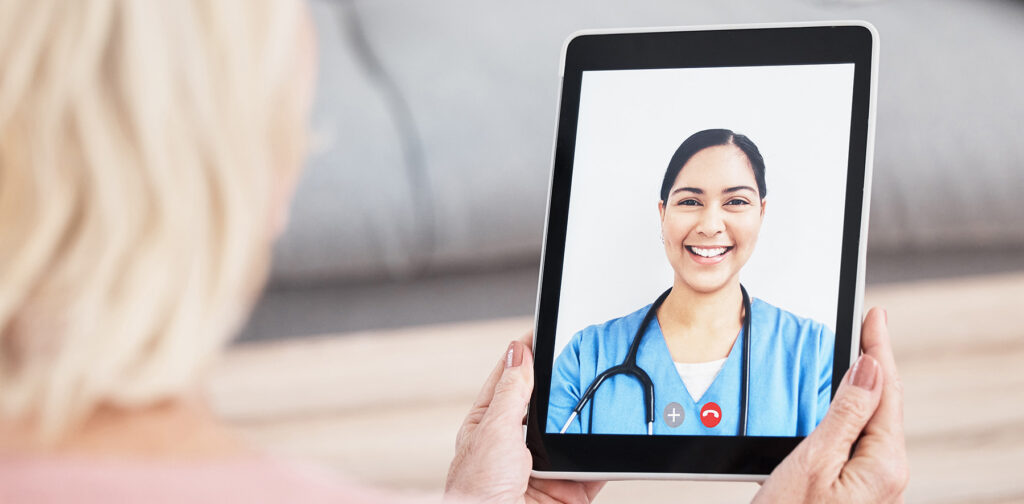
point(140, 143)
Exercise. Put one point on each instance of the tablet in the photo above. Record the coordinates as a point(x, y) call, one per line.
point(703, 264)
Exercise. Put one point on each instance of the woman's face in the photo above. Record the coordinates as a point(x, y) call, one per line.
point(711, 219)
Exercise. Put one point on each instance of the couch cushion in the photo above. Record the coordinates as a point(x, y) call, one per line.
point(480, 81)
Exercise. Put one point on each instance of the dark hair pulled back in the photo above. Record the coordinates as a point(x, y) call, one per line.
point(710, 138)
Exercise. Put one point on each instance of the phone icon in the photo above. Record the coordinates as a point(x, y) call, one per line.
point(710, 415)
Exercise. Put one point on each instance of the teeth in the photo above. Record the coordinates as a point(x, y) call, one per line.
point(708, 252)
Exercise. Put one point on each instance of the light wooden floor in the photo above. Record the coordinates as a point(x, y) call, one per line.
point(383, 407)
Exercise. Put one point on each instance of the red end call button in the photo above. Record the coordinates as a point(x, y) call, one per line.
point(710, 415)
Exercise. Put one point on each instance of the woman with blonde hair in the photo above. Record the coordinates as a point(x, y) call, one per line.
point(148, 151)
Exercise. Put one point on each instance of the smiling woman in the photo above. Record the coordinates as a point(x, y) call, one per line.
point(711, 214)
point(731, 364)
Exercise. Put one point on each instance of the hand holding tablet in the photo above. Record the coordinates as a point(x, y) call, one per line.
point(821, 468)
point(492, 463)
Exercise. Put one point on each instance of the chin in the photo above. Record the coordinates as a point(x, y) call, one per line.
point(706, 285)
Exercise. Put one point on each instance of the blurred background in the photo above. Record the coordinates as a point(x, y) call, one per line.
point(416, 230)
point(435, 123)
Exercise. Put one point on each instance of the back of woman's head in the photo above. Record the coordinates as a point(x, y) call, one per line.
point(140, 145)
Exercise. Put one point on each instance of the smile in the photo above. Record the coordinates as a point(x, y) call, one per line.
point(707, 252)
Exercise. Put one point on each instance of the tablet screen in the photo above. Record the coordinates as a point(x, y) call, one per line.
point(702, 180)
point(704, 249)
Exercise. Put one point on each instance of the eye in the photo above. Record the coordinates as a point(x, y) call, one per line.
point(689, 202)
point(737, 201)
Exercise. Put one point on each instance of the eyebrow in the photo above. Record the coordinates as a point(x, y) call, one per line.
point(696, 190)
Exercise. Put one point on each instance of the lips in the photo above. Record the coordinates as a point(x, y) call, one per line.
point(708, 251)
point(708, 254)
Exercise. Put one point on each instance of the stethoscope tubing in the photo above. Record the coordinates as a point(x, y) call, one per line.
point(629, 367)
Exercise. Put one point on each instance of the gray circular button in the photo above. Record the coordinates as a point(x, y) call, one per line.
point(673, 415)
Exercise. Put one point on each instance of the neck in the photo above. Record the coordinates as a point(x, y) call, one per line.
point(690, 309)
point(701, 326)
point(173, 429)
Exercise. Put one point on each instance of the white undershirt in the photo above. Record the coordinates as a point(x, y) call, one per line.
point(698, 376)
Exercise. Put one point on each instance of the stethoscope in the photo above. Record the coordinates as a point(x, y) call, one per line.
point(630, 367)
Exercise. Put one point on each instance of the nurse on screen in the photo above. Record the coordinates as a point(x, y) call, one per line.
point(711, 208)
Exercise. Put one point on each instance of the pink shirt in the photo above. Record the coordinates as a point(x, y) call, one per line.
point(255, 480)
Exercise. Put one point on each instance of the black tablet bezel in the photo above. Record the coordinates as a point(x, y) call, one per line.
point(689, 48)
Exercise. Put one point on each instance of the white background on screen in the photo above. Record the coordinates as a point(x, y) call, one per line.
point(630, 124)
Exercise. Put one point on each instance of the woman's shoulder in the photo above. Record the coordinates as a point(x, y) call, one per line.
point(623, 328)
point(787, 321)
point(256, 479)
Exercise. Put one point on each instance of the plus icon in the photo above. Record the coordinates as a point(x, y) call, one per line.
point(673, 415)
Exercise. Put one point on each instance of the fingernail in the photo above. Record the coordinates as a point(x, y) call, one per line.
point(885, 315)
point(864, 372)
point(514, 356)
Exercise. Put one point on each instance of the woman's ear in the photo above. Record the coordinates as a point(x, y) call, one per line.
point(764, 203)
point(661, 214)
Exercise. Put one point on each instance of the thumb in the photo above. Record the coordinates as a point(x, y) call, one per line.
point(854, 404)
point(512, 392)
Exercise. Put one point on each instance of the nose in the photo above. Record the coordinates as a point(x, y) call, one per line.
point(711, 222)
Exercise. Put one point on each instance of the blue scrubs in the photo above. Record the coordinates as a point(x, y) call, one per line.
point(789, 390)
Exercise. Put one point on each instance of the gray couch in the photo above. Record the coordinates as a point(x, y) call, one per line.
point(424, 201)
